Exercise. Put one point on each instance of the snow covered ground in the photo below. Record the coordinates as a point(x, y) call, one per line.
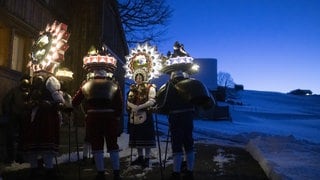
point(281, 131)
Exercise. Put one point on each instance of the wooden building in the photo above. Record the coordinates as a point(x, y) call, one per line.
point(90, 22)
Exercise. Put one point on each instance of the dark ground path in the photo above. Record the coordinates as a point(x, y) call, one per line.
point(241, 166)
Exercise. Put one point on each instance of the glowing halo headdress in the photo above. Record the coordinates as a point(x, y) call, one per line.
point(179, 60)
point(145, 60)
point(48, 50)
point(102, 59)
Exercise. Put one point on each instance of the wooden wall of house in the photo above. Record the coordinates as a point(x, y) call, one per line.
point(27, 16)
point(23, 18)
point(19, 17)
point(90, 22)
point(85, 29)
point(94, 22)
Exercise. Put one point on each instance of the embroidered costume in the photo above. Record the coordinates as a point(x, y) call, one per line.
point(142, 65)
point(141, 128)
point(41, 128)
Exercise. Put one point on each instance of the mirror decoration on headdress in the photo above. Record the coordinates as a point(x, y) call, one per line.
point(48, 50)
point(144, 60)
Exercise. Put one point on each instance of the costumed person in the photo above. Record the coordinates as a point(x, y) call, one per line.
point(65, 76)
point(143, 64)
point(41, 129)
point(13, 107)
point(179, 98)
point(86, 155)
point(103, 106)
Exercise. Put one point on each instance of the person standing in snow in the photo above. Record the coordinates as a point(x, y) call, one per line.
point(179, 98)
point(142, 65)
point(103, 105)
point(41, 130)
point(141, 96)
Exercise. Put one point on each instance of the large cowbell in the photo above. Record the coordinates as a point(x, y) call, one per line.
point(195, 92)
point(99, 89)
point(162, 106)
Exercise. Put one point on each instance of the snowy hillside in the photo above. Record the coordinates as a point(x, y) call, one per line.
point(280, 103)
point(281, 131)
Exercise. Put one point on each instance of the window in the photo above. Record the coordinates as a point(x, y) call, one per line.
point(17, 53)
point(14, 49)
point(20, 49)
point(4, 45)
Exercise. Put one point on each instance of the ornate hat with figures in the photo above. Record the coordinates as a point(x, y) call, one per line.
point(145, 60)
point(179, 60)
point(48, 50)
point(99, 59)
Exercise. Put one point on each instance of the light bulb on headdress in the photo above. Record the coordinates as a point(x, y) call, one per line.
point(102, 59)
point(144, 60)
point(179, 60)
point(64, 74)
point(48, 50)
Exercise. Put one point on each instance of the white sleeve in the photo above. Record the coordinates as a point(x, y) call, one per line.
point(152, 93)
point(53, 85)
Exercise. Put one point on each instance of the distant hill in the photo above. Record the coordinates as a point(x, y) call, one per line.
point(278, 103)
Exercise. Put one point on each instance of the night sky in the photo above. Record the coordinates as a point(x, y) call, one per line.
point(267, 45)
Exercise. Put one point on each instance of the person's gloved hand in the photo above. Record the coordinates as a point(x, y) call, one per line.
point(136, 108)
point(133, 107)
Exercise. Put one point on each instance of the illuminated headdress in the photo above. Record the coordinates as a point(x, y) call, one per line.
point(48, 51)
point(99, 60)
point(64, 74)
point(144, 60)
point(179, 60)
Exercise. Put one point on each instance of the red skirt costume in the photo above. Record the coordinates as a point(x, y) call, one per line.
point(103, 102)
point(40, 131)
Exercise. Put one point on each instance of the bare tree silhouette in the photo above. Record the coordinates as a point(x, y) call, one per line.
point(225, 80)
point(144, 20)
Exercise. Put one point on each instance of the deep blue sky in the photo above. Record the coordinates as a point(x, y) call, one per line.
point(268, 45)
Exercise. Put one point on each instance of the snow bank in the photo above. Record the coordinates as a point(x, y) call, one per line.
point(285, 157)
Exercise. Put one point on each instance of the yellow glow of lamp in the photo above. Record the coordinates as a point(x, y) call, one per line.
point(64, 74)
point(195, 68)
